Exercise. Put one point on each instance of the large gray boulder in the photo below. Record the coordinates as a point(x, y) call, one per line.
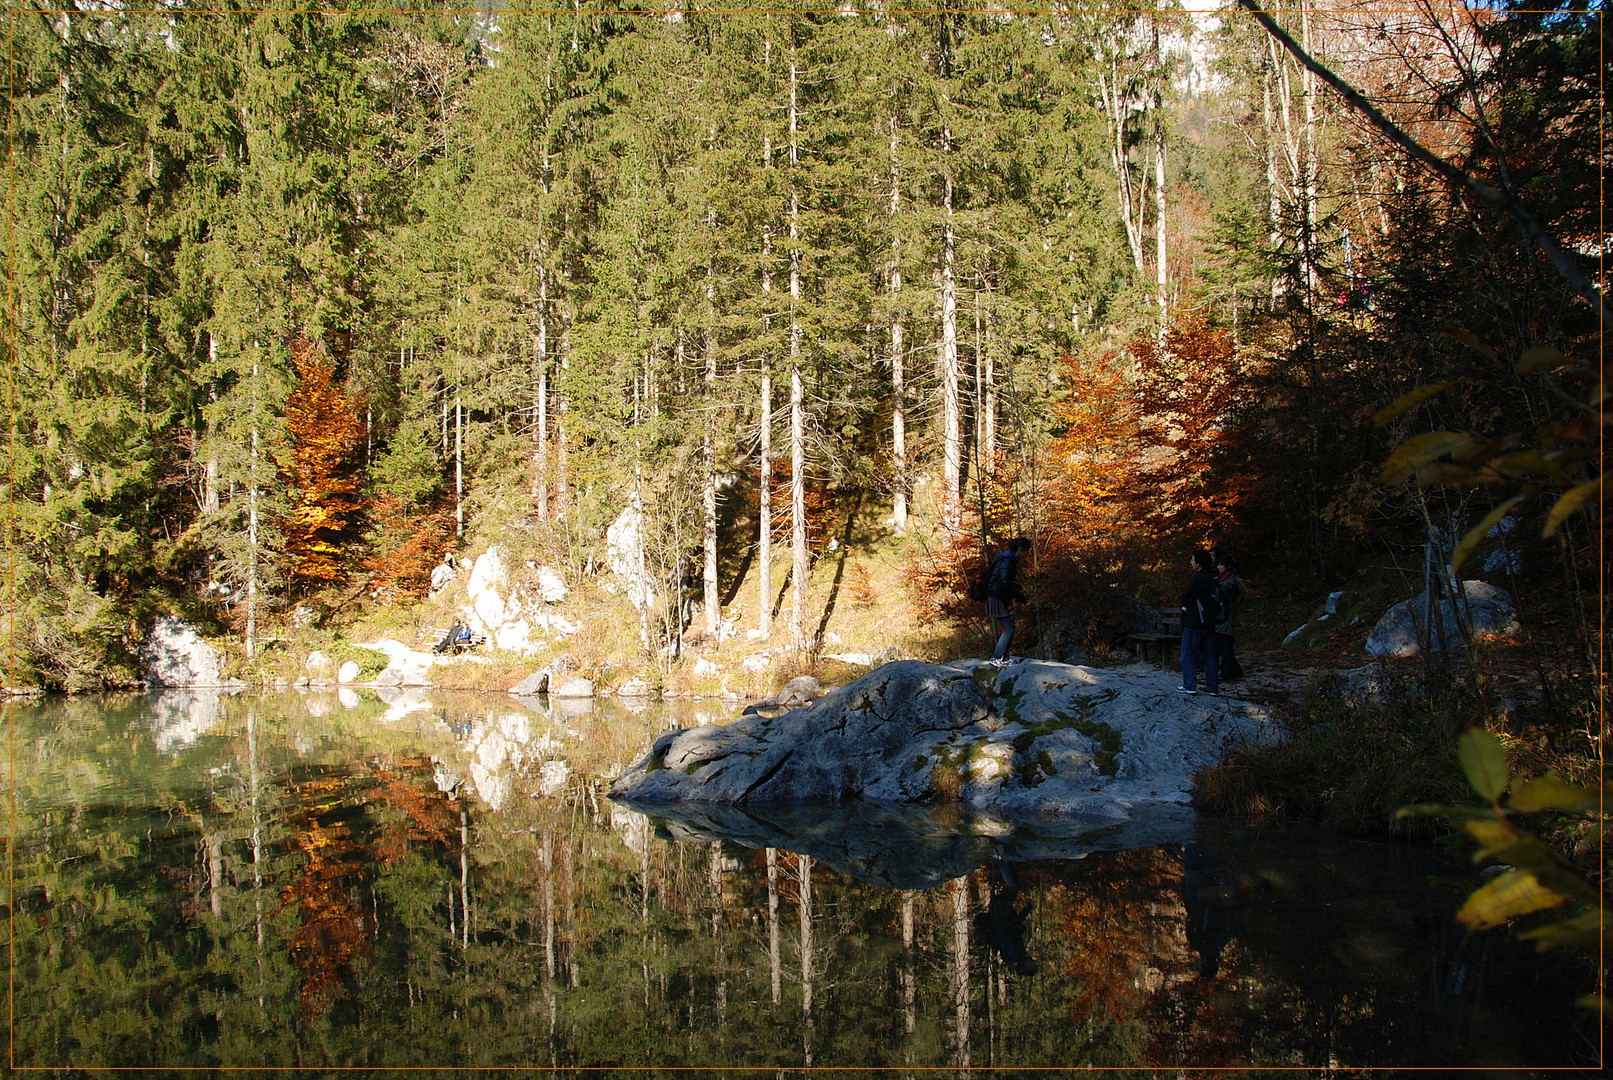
point(175, 655)
point(544, 680)
point(573, 686)
point(1489, 606)
point(1036, 738)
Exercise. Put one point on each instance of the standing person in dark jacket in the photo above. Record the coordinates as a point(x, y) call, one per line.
point(1197, 600)
point(1002, 589)
point(1233, 591)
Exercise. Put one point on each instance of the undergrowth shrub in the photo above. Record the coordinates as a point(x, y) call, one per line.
point(1349, 765)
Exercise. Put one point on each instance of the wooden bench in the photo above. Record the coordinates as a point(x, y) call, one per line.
point(1145, 642)
point(1169, 634)
point(458, 646)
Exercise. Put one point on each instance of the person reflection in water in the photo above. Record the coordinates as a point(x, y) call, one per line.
point(1002, 924)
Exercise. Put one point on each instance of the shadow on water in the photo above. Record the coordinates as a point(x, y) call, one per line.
point(407, 879)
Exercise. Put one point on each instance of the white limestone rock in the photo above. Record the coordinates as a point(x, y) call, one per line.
point(757, 662)
point(1037, 738)
point(624, 545)
point(551, 586)
point(1374, 684)
point(573, 686)
point(543, 680)
point(552, 777)
point(404, 666)
point(401, 701)
point(175, 655)
point(442, 575)
point(799, 691)
point(178, 718)
point(1489, 606)
point(348, 672)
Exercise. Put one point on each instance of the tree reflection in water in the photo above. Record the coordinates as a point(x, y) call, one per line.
point(264, 887)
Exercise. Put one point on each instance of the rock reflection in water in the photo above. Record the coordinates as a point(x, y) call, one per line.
point(179, 717)
point(913, 846)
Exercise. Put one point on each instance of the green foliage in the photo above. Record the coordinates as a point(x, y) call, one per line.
point(407, 468)
point(371, 662)
point(1533, 876)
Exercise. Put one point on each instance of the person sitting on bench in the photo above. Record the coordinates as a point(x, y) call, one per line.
point(458, 635)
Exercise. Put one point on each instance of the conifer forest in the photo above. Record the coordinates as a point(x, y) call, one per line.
point(301, 300)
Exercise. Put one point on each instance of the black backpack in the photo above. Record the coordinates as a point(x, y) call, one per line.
point(1212, 606)
point(987, 578)
point(981, 583)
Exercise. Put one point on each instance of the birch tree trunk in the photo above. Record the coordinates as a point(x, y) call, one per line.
point(252, 522)
point(709, 452)
point(991, 399)
point(210, 469)
point(898, 347)
point(1160, 263)
point(540, 455)
point(561, 493)
point(772, 924)
point(951, 419)
point(798, 523)
point(958, 970)
point(1308, 92)
point(1274, 206)
point(459, 465)
point(764, 493)
point(1114, 112)
point(764, 484)
point(806, 957)
point(909, 975)
point(765, 481)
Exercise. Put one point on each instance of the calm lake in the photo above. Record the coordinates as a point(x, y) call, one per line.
point(334, 879)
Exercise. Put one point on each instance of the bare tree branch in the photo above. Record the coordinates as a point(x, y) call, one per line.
point(1497, 197)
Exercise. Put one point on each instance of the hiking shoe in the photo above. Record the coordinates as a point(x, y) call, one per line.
point(1185, 690)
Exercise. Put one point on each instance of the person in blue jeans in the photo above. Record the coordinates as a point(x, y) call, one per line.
point(1199, 612)
point(1003, 590)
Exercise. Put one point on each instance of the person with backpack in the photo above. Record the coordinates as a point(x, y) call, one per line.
point(1233, 591)
point(1201, 604)
point(1002, 590)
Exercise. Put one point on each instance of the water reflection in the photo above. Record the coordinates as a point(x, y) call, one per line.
point(416, 880)
point(179, 717)
point(913, 847)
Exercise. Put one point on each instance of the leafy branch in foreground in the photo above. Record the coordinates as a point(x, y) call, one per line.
point(1552, 458)
point(1536, 877)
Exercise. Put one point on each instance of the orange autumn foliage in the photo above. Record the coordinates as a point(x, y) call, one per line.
point(332, 933)
point(1154, 456)
point(321, 466)
point(423, 815)
point(1157, 453)
point(406, 549)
